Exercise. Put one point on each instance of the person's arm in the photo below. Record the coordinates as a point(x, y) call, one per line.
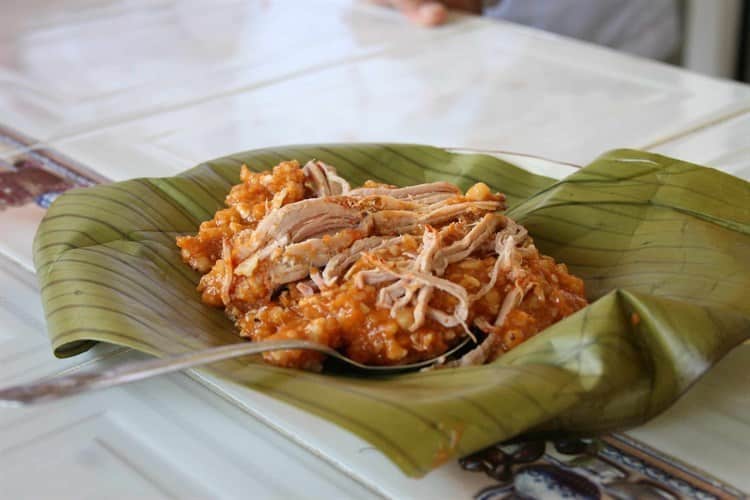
point(431, 12)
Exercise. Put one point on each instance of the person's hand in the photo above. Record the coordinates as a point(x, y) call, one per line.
point(430, 12)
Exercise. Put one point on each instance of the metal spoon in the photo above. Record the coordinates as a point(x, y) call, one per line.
point(75, 383)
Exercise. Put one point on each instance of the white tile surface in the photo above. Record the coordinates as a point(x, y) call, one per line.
point(259, 73)
point(514, 90)
point(64, 74)
point(724, 146)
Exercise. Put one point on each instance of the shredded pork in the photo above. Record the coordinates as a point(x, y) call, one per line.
point(387, 275)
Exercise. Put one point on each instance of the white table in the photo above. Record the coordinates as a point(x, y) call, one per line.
point(138, 87)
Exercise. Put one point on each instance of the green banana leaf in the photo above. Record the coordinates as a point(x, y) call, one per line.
point(662, 245)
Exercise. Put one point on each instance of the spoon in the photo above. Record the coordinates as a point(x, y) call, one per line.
point(51, 389)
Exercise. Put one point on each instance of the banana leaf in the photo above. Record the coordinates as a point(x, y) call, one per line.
point(662, 245)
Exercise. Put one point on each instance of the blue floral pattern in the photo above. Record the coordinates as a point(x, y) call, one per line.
point(611, 467)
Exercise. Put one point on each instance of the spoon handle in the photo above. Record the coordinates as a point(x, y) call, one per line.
point(55, 388)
